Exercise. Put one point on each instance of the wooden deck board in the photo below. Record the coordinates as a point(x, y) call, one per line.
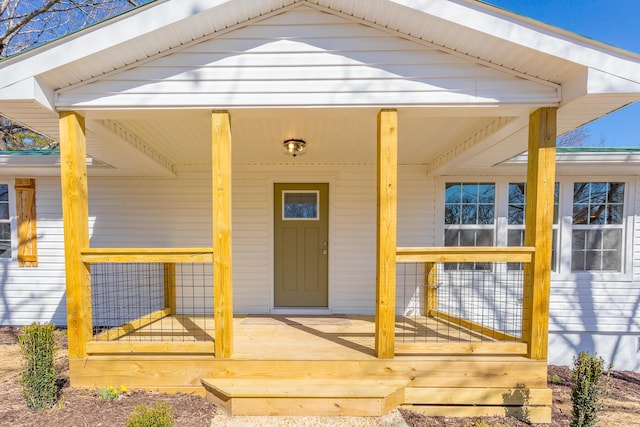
point(306, 337)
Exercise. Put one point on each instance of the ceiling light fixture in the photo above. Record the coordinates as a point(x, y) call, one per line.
point(294, 147)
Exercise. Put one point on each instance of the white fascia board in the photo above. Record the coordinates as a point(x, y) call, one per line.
point(591, 81)
point(601, 82)
point(29, 89)
point(532, 34)
point(102, 36)
point(625, 157)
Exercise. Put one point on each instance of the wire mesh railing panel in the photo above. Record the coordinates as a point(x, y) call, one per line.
point(152, 302)
point(444, 303)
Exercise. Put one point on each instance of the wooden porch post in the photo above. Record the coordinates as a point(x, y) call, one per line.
point(75, 213)
point(538, 230)
point(222, 292)
point(386, 233)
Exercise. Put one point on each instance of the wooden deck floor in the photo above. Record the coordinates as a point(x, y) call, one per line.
point(455, 372)
point(306, 337)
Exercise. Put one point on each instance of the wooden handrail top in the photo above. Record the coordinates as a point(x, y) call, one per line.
point(466, 254)
point(142, 255)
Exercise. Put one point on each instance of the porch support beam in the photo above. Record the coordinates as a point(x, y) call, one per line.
point(387, 188)
point(538, 230)
point(75, 214)
point(222, 289)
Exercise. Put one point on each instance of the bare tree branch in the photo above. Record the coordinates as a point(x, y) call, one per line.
point(28, 23)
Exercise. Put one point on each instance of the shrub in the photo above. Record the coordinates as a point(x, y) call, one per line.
point(589, 388)
point(161, 415)
point(38, 379)
point(555, 379)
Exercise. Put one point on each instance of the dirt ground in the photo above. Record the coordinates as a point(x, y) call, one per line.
point(86, 408)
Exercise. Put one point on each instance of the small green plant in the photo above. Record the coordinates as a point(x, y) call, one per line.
point(589, 388)
point(161, 415)
point(555, 379)
point(111, 393)
point(38, 379)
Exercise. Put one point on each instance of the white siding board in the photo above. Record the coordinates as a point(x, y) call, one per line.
point(262, 65)
point(37, 293)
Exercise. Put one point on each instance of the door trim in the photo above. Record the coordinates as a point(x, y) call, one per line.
point(299, 178)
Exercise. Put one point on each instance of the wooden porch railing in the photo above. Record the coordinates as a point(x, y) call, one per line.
point(501, 341)
point(108, 341)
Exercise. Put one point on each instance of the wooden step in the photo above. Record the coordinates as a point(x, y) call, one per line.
point(352, 397)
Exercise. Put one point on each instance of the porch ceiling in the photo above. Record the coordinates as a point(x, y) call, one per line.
point(339, 136)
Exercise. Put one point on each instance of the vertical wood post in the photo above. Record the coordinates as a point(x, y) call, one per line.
point(170, 286)
point(222, 292)
point(386, 245)
point(75, 213)
point(430, 288)
point(538, 230)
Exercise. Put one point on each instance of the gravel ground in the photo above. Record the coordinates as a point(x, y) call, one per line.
point(392, 419)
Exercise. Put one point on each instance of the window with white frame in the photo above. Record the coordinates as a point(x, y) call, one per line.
point(5, 222)
point(594, 228)
point(469, 218)
point(598, 226)
point(515, 219)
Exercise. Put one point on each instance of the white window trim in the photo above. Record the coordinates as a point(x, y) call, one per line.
point(13, 220)
point(565, 234)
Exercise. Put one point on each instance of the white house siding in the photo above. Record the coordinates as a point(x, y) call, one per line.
point(291, 59)
point(36, 294)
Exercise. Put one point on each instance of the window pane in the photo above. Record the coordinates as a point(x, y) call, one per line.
point(486, 193)
point(616, 192)
point(469, 193)
point(301, 205)
point(592, 261)
point(612, 239)
point(614, 214)
point(517, 193)
point(5, 249)
point(554, 241)
point(451, 238)
point(577, 261)
point(453, 193)
point(556, 202)
point(611, 261)
point(485, 214)
point(452, 214)
point(598, 192)
point(515, 238)
point(5, 231)
point(597, 214)
point(517, 198)
point(580, 214)
point(484, 238)
point(469, 214)
point(4, 210)
point(467, 238)
point(4, 193)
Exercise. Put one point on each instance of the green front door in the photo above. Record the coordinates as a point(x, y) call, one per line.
point(301, 245)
